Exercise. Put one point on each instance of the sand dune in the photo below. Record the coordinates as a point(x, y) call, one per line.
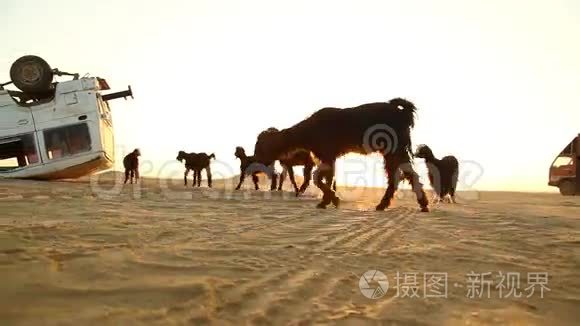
point(82, 252)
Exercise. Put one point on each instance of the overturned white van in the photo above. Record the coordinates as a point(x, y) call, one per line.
point(54, 130)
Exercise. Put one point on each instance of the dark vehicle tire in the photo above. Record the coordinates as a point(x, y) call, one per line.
point(31, 74)
point(567, 188)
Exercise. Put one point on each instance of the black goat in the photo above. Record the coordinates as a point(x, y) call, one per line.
point(196, 162)
point(332, 132)
point(443, 173)
point(131, 165)
point(249, 165)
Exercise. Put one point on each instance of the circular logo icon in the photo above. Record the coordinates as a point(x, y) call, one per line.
point(380, 138)
point(373, 284)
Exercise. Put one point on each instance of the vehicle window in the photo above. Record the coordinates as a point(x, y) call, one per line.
point(67, 141)
point(17, 152)
point(562, 161)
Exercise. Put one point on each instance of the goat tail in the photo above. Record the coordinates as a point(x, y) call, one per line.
point(407, 110)
point(212, 155)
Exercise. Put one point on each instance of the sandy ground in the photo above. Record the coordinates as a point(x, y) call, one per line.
point(82, 253)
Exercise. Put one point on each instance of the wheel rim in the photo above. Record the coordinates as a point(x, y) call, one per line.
point(31, 73)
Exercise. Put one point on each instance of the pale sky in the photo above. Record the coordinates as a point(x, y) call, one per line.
point(495, 82)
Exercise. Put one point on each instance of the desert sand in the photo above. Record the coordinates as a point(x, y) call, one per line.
point(91, 253)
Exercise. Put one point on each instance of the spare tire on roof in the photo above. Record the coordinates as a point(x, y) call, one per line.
point(31, 74)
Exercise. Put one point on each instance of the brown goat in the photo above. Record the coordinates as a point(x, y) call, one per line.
point(296, 158)
point(330, 133)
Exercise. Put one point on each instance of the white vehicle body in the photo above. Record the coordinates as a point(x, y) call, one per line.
point(67, 136)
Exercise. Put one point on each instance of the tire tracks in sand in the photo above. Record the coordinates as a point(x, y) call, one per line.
point(312, 281)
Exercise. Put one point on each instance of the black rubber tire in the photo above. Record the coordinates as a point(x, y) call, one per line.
point(567, 188)
point(31, 74)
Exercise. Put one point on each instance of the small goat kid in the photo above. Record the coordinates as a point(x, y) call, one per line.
point(443, 173)
point(196, 162)
point(249, 165)
point(295, 158)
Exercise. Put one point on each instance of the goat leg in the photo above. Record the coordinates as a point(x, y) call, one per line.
point(417, 187)
point(392, 172)
point(282, 178)
point(208, 172)
point(198, 172)
point(126, 176)
point(185, 177)
point(325, 172)
point(274, 177)
point(242, 176)
point(255, 180)
point(292, 179)
point(307, 177)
